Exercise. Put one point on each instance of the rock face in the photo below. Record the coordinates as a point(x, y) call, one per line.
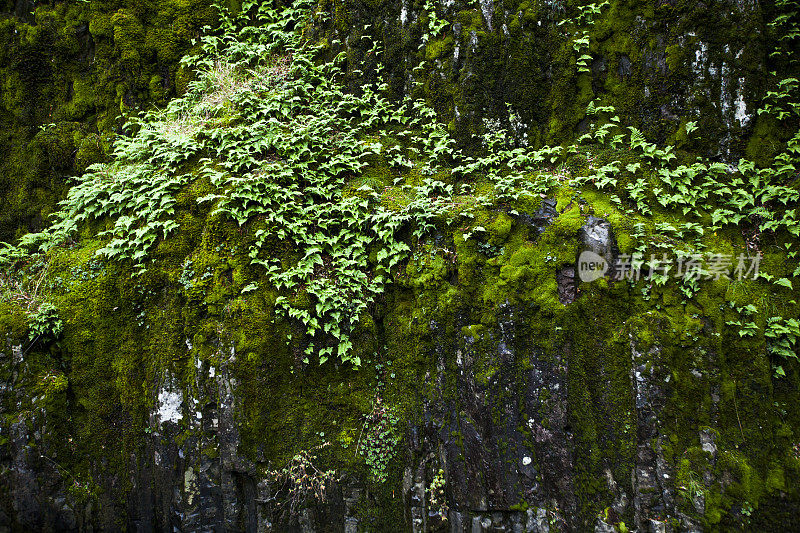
point(496, 391)
point(505, 443)
point(511, 424)
point(516, 63)
point(597, 237)
point(77, 68)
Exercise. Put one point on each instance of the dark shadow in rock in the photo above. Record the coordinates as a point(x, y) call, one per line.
point(567, 287)
point(541, 218)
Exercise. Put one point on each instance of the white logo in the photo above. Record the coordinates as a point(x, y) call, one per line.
point(591, 266)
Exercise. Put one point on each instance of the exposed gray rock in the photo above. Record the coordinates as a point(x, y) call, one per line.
point(597, 236)
point(541, 218)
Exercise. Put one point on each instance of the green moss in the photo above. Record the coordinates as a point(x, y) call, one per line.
point(125, 335)
point(80, 63)
point(500, 227)
point(439, 48)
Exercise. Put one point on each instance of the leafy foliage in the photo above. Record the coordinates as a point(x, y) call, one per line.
point(381, 436)
point(45, 323)
point(782, 335)
point(267, 122)
point(580, 41)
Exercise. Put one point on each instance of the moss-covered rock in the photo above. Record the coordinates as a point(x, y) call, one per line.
point(487, 386)
point(85, 66)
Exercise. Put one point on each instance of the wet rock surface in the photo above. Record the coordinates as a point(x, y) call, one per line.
point(497, 422)
point(597, 236)
point(538, 421)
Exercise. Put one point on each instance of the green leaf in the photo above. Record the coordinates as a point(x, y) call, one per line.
point(250, 288)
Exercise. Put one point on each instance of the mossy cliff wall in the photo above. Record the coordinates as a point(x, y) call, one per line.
point(495, 392)
point(79, 67)
point(172, 396)
point(660, 63)
point(83, 65)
